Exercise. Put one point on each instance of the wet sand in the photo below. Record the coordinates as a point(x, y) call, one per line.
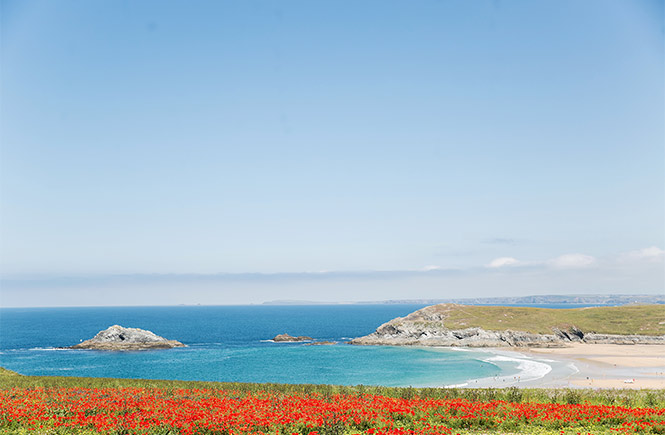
point(607, 365)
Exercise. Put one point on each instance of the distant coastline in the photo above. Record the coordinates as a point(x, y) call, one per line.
point(609, 300)
point(546, 301)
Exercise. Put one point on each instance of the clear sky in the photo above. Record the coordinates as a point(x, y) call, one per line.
point(237, 152)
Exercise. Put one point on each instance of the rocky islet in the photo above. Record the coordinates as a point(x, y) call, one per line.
point(286, 338)
point(118, 338)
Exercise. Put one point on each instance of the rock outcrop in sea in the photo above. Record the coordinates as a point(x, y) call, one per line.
point(425, 327)
point(118, 338)
point(290, 338)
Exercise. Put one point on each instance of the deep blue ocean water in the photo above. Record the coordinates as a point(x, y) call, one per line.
point(232, 343)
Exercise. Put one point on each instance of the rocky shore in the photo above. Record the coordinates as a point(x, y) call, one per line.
point(286, 338)
point(117, 338)
point(426, 327)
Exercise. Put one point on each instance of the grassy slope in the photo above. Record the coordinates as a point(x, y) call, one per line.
point(4, 373)
point(623, 320)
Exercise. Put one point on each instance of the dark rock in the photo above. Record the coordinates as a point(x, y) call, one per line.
point(576, 332)
point(288, 338)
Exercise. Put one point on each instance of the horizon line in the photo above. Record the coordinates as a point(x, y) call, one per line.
point(413, 301)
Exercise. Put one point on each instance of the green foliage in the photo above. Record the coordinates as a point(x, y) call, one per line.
point(572, 397)
point(514, 394)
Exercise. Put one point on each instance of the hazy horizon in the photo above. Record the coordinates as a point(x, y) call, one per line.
point(414, 301)
point(235, 152)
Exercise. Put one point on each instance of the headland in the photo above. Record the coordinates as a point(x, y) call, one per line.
point(497, 326)
point(597, 347)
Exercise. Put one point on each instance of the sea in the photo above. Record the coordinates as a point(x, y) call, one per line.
point(234, 344)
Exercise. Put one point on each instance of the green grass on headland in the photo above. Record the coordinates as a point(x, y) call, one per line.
point(618, 397)
point(623, 320)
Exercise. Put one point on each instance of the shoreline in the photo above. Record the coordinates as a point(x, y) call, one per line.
point(580, 365)
point(595, 366)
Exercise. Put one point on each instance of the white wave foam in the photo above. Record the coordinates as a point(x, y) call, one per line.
point(573, 367)
point(529, 369)
point(66, 369)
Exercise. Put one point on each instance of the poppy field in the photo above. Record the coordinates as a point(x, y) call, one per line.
point(135, 410)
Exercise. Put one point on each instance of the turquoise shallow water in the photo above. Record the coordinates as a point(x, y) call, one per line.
point(231, 343)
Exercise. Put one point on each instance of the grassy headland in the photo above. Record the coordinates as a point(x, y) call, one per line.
point(623, 320)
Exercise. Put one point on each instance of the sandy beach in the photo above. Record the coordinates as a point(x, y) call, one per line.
point(606, 365)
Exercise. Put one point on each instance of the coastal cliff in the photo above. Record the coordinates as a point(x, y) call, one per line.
point(485, 326)
point(118, 338)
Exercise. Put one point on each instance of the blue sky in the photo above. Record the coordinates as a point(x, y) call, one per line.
point(335, 150)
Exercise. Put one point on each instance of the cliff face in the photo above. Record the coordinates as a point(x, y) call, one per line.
point(426, 327)
point(118, 338)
